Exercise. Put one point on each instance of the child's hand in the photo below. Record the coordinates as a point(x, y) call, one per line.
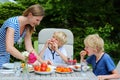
point(83, 53)
point(47, 43)
point(55, 46)
point(101, 78)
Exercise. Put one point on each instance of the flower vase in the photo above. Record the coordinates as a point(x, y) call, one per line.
point(26, 72)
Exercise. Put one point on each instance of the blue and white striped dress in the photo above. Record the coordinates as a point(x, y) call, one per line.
point(11, 23)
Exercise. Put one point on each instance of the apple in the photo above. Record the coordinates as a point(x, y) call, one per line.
point(74, 61)
point(44, 65)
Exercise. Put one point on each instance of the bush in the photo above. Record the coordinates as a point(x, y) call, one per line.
point(9, 10)
point(104, 32)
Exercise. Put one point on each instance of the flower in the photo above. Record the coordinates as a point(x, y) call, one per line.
point(30, 57)
point(25, 53)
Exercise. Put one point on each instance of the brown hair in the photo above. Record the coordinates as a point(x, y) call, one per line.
point(36, 10)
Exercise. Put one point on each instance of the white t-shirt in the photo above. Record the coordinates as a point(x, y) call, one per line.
point(53, 56)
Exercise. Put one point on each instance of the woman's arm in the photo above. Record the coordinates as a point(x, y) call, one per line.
point(28, 42)
point(10, 45)
point(29, 47)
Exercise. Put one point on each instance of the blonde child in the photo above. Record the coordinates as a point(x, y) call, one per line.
point(102, 64)
point(54, 50)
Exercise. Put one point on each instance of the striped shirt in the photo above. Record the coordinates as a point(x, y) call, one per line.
point(11, 23)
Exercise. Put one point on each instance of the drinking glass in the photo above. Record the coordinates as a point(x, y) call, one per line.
point(26, 75)
point(17, 68)
point(83, 68)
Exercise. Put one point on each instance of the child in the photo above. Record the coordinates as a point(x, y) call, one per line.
point(103, 65)
point(54, 50)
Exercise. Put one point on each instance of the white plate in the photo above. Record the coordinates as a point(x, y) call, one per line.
point(38, 72)
point(85, 68)
point(30, 68)
point(76, 69)
point(64, 72)
point(52, 70)
point(71, 70)
point(8, 65)
point(79, 69)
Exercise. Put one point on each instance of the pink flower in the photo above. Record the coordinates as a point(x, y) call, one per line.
point(31, 58)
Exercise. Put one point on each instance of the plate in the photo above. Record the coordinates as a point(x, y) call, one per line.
point(30, 68)
point(76, 67)
point(64, 72)
point(41, 72)
point(86, 68)
point(8, 65)
point(38, 72)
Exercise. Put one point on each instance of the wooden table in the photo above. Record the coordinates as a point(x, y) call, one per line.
point(118, 69)
point(53, 76)
point(89, 75)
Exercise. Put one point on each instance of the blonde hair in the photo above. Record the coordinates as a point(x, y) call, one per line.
point(36, 10)
point(94, 41)
point(61, 36)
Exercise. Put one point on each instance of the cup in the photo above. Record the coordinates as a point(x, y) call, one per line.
point(83, 68)
point(17, 68)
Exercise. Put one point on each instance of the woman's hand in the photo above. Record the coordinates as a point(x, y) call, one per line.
point(47, 62)
point(36, 63)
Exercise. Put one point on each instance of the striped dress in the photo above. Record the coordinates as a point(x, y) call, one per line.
point(14, 24)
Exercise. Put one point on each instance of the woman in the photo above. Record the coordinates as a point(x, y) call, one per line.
point(16, 28)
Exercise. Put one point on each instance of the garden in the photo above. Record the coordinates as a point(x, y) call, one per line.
point(82, 17)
